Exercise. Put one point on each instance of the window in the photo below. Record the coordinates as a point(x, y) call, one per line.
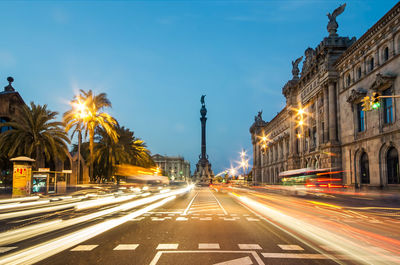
point(386, 54)
point(360, 118)
point(364, 168)
point(359, 72)
point(3, 129)
point(392, 162)
point(348, 80)
point(387, 107)
point(371, 64)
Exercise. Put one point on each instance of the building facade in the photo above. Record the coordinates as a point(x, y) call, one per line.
point(323, 124)
point(174, 167)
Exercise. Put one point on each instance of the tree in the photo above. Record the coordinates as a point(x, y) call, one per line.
point(90, 117)
point(126, 150)
point(34, 133)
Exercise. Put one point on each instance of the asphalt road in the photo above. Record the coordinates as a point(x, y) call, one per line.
point(202, 227)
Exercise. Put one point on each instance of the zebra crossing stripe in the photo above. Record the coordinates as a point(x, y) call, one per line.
point(209, 246)
point(167, 246)
point(290, 247)
point(249, 246)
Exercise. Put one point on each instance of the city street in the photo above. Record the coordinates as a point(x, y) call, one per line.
point(218, 225)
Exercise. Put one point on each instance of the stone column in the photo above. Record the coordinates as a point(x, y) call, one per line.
point(292, 137)
point(326, 114)
point(332, 111)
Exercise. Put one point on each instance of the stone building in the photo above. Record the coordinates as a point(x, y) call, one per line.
point(336, 133)
point(175, 167)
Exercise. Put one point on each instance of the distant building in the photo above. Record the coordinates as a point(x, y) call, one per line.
point(337, 132)
point(174, 167)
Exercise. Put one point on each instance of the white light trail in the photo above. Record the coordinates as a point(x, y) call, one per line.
point(44, 250)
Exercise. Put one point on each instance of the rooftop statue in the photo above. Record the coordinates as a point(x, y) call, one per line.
point(202, 100)
point(295, 69)
point(332, 24)
point(259, 116)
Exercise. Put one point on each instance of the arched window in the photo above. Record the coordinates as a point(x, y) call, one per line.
point(392, 162)
point(359, 72)
point(364, 168)
point(370, 64)
point(386, 54)
point(348, 80)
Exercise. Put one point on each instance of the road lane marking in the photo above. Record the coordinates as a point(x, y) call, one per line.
point(5, 249)
point(159, 253)
point(220, 205)
point(126, 247)
point(293, 256)
point(167, 246)
point(206, 219)
point(290, 247)
point(51, 247)
point(157, 219)
point(180, 218)
point(84, 248)
point(252, 219)
point(239, 261)
point(209, 246)
point(249, 246)
point(190, 204)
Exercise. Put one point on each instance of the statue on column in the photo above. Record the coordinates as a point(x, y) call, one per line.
point(332, 24)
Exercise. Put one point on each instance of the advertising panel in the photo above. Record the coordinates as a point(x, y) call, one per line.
point(21, 180)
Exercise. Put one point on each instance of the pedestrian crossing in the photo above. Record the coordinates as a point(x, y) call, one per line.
point(159, 217)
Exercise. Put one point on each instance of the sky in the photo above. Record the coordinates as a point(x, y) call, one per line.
point(155, 59)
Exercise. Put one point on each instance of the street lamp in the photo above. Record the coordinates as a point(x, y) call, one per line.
point(81, 113)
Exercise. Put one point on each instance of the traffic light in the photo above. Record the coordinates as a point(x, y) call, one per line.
point(375, 100)
point(366, 104)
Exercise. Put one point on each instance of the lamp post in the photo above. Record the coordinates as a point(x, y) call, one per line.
point(81, 114)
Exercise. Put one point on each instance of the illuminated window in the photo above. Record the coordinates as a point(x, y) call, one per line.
point(387, 107)
point(360, 117)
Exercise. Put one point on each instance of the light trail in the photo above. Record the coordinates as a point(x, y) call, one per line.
point(20, 205)
point(28, 232)
point(44, 250)
point(344, 243)
point(20, 199)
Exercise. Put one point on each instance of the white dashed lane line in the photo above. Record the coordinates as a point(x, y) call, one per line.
point(290, 247)
point(249, 246)
point(126, 247)
point(209, 246)
point(84, 247)
point(167, 246)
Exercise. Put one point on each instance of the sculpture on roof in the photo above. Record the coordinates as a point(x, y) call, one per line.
point(259, 116)
point(295, 69)
point(9, 88)
point(332, 24)
point(310, 57)
point(202, 100)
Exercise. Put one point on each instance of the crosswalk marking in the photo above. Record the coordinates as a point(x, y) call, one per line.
point(239, 261)
point(290, 247)
point(206, 219)
point(252, 219)
point(167, 246)
point(181, 218)
point(249, 246)
point(5, 249)
point(84, 247)
point(126, 247)
point(293, 256)
point(209, 246)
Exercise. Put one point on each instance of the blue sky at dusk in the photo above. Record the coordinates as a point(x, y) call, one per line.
point(154, 59)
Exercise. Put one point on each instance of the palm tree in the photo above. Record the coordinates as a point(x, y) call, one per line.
point(127, 150)
point(90, 117)
point(34, 133)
